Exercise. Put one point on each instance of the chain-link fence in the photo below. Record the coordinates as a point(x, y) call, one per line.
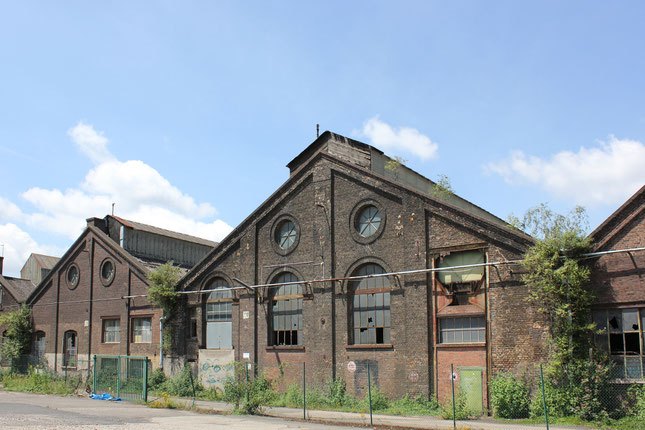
point(33, 373)
point(585, 394)
point(122, 377)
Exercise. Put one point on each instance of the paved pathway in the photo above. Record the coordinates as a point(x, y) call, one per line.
point(39, 412)
point(26, 411)
point(360, 419)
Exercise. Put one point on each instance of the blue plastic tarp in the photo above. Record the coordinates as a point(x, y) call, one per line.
point(104, 396)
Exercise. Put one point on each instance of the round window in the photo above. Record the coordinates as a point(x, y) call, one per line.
point(73, 276)
point(286, 234)
point(107, 272)
point(368, 221)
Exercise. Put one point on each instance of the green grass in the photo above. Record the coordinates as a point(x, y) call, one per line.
point(42, 383)
point(626, 423)
point(332, 398)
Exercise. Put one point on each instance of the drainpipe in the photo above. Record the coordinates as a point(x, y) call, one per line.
point(161, 320)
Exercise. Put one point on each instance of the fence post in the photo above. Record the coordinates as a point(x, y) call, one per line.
point(304, 393)
point(246, 367)
point(546, 412)
point(145, 379)
point(192, 384)
point(369, 390)
point(94, 373)
point(452, 384)
point(118, 376)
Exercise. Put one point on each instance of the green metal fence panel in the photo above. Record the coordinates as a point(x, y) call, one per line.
point(121, 376)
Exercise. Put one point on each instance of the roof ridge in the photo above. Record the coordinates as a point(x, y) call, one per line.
point(160, 230)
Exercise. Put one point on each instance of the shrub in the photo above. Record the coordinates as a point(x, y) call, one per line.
point(315, 398)
point(181, 384)
point(462, 412)
point(510, 396)
point(637, 393)
point(581, 388)
point(156, 379)
point(338, 395)
point(379, 400)
point(259, 390)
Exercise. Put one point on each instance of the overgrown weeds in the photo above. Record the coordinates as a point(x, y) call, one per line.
point(37, 381)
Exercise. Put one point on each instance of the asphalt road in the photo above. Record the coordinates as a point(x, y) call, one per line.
point(39, 412)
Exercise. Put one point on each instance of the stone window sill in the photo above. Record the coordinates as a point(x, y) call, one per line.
point(461, 345)
point(285, 348)
point(373, 346)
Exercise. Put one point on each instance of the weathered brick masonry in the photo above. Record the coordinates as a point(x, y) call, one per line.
point(330, 183)
point(78, 308)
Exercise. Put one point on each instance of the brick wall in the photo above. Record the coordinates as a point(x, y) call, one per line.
point(83, 308)
point(322, 199)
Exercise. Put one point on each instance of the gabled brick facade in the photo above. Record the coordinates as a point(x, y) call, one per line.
point(619, 283)
point(330, 184)
point(79, 309)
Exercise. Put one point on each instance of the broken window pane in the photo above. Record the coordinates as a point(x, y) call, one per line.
point(615, 319)
point(630, 319)
point(287, 313)
point(371, 311)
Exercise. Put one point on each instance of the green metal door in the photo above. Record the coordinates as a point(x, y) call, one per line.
point(471, 386)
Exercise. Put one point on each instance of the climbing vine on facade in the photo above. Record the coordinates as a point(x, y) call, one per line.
point(557, 276)
point(162, 292)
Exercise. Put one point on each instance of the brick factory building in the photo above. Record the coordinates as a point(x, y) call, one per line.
point(619, 280)
point(376, 267)
point(348, 210)
point(77, 308)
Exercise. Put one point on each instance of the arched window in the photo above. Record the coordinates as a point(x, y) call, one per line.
point(370, 307)
point(286, 312)
point(219, 315)
point(70, 349)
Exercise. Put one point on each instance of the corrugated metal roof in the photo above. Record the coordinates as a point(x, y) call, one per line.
point(163, 232)
point(45, 261)
point(153, 265)
point(19, 288)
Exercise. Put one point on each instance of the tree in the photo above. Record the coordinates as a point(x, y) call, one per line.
point(557, 276)
point(17, 340)
point(162, 292)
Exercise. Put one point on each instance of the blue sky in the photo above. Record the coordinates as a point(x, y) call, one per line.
point(185, 113)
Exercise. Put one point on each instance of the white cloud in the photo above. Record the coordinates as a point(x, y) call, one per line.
point(18, 245)
point(91, 142)
point(602, 175)
point(9, 211)
point(405, 139)
point(140, 192)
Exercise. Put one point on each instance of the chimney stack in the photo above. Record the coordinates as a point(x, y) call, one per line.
point(1, 262)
